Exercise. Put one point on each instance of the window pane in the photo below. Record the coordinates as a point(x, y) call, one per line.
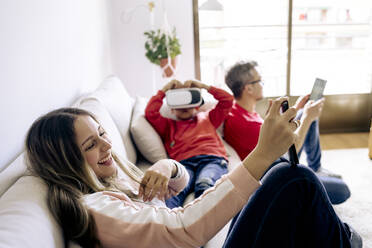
point(245, 31)
point(332, 40)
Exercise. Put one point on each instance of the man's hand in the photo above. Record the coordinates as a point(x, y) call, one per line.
point(197, 84)
point(301, 102)
point(174, 84)
point(313, 110)
point(155, 180)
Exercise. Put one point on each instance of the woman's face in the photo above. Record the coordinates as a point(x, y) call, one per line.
point(95, 146)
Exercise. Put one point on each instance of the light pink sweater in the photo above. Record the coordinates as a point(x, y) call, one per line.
point(122, 222)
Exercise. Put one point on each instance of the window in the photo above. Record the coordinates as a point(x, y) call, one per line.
point(329, 39)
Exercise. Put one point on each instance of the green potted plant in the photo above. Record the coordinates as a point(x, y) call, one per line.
point(156, 49)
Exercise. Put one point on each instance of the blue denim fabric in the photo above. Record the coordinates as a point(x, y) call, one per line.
point(337, 190)
point(311, 144)
point(290, 209)
point(204, 171)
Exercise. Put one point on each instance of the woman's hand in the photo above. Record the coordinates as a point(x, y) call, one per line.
point(197, 84)
point(277, 130)
point(174, 84)
point(276, 136)
point(155, 180)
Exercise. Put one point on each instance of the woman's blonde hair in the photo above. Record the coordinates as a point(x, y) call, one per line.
point(54, 155)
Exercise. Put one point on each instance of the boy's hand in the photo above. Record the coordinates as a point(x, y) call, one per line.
point(197, 84)
point(174, 84)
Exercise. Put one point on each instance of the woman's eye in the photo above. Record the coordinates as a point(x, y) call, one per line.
point(89, 147)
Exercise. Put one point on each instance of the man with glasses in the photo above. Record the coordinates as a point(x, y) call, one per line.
point(242, 126)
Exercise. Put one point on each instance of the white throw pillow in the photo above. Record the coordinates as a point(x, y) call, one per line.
point(144, 135)
point(25, 220)
point(113, 95)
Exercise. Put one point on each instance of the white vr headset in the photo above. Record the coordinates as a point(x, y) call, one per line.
point(184, 98)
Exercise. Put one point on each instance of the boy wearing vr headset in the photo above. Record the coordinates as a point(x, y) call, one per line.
point(192, 139)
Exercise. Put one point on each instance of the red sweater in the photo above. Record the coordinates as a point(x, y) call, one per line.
point(197, 136)
point(242, 129)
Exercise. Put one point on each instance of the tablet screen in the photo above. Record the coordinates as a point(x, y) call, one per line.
point(318, 88)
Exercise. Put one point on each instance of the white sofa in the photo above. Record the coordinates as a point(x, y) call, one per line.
point(24, 217)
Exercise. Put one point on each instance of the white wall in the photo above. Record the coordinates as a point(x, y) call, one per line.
point(129, 61)
point(51, 51)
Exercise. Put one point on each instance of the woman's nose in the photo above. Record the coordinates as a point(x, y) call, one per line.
point(105, 144)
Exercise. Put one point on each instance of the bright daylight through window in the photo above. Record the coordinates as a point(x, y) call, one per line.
point(330, 39)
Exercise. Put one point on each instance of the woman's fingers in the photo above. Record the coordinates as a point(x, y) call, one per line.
point(296, 123)
point(150, 188)
point(290, 114)
point(268, 109)
point(275, 106)
point(143, 185)
point(153, 184)
point(164, 188)
point(277, 131)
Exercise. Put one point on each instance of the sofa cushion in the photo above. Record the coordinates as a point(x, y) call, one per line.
point(144, 135)
point(25, 218)
point(113, 95)
point(12, 172)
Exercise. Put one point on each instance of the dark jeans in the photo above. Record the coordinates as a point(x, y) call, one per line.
point(336, 188)
point(204, 171)
point(290, 209)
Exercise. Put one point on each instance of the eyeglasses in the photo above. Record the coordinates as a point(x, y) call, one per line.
point(257, 81)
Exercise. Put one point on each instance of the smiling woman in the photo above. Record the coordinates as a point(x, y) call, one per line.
point(72, 153)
